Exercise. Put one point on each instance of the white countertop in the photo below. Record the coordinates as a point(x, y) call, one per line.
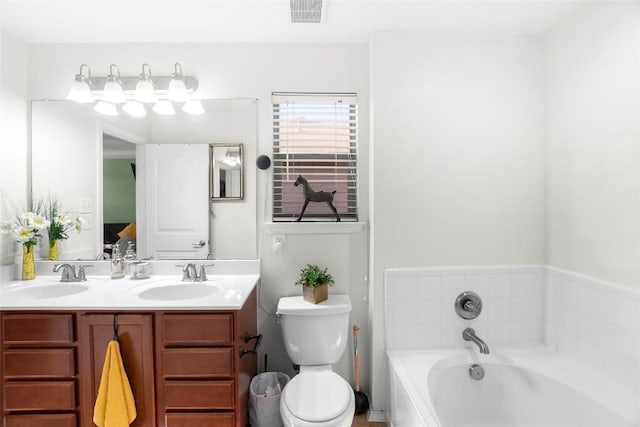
point(228, 286)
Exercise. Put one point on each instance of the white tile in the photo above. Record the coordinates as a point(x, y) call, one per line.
point(429, 287)
point(402, 337)
point(500, 333)
point(592, 355)
point(522, 285)
point(592, 301)
point(429, 312)
point(451, 335)
point(526, 332)
point(452, 286)
point(591, 330)
point(622, 343)
point(402, 288)
point(448, 311)
point(429, 336)
point(498, 309)
point(622, 311)
point(402, 312)
point(500, 286)
point(478, 283)
point(524, 309)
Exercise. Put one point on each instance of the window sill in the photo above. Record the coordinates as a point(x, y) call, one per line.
point(343, 227)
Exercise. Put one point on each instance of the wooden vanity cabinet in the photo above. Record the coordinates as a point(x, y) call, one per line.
point(202, 379)
point(184, 367)
point(39, 369)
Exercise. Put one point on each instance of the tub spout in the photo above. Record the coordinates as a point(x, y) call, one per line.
point(470, 335)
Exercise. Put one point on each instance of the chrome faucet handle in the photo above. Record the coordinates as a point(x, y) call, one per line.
point(203, 274)
point(81, 274)
point(202, 277)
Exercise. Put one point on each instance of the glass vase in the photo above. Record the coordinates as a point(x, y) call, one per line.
point(28, 263)
point(53, 250)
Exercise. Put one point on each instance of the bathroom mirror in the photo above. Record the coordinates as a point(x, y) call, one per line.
point(226, 173)
point(70, 143)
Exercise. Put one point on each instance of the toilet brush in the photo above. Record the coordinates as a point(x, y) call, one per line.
point(362, 401)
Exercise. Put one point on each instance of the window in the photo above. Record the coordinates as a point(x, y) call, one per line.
point(315, 136)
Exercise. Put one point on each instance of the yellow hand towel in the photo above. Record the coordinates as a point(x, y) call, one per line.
point(115, 406)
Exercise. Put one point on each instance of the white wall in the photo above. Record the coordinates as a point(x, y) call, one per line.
point(593, 142)
point(14, 134)
point(252, 71)
point(457, 133)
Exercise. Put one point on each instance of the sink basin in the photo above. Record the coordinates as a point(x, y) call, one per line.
point(50, 291)
point(178, 292)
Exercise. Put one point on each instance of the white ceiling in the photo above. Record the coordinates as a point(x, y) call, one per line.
point(266, 21)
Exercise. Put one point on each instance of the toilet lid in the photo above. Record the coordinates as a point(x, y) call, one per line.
point(317, 396)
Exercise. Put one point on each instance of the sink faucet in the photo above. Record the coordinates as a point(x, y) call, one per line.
point(470, 335)
point(69, 272)
point(190, 274)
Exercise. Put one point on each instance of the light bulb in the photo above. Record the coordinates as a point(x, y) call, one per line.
point(106, 108)
point(80, 92)
point(134, 109)
point(113, 91)
point(193, 106)
point(145, 92)
point(177, 90)
point(164, 107)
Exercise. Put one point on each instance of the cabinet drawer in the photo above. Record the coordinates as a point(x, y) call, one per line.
point(198, 362)
point(197, 329)
point(198, 394)
point(33, 420)
point(38, 329)
point(200, 420)
point(39, 363)
point(39, 396)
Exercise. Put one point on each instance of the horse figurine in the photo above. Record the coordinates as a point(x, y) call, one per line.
point(315, 196)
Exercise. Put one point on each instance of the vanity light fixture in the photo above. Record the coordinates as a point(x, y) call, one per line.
point(177, 87)
point(80, 90)
point(113, 90)
point(136, 91)
point(145, 92)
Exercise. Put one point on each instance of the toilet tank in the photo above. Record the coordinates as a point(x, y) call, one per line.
point(315, 334)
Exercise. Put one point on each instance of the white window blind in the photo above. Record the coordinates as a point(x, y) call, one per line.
point(315, 136)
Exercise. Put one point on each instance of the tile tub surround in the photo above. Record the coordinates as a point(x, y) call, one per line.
point(595, 323)
point(419, 306)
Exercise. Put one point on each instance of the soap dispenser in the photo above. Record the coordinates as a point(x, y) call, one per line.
point(129, 257)
point(117, 263)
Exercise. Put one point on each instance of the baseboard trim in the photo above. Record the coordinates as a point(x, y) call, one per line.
point(376, 416)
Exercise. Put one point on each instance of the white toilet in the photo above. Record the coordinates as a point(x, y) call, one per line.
point(315, 336)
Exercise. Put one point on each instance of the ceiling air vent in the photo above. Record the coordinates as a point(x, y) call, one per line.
point(307, 11)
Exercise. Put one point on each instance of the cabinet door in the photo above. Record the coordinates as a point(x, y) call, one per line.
point(135, 335)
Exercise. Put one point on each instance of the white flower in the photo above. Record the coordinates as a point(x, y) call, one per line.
point(78, 223)
point(24, 234)
point(38, 221)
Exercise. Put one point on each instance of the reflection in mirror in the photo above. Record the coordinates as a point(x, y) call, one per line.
point(72, 149)
point(118, 193)
point(226, 174)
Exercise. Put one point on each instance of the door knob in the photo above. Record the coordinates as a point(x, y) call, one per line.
point(200, 244)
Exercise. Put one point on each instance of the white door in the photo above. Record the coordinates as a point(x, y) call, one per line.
point(176, 197)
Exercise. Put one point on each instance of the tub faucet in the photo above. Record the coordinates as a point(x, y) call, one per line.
point(470, 335)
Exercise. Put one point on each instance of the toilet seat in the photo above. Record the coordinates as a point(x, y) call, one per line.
point(317, 396)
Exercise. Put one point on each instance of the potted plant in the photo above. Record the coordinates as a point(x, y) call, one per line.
point(315, 283)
